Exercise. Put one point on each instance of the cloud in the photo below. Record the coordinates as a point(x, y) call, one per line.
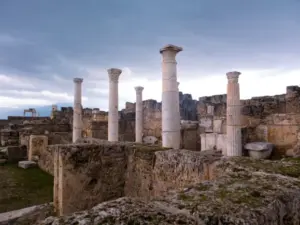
point(44, 47)
point(9, 81)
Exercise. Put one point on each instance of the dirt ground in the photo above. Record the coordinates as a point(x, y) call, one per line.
point(20, 188)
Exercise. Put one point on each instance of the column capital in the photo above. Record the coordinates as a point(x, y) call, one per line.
point(170, 48)
point(233, 76)
point(169, 53)
point(113, 74)
point(77, 80)
point(139, 89)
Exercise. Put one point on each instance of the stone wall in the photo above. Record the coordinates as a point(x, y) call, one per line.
point(57, 133)
point(268, 118)
point(244, 191)
point(152, 174)
point(86, 174)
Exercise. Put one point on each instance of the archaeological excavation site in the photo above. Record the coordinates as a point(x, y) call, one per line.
point(213, 160)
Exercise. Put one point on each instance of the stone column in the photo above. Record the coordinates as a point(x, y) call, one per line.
point(139, 114)
point(77, 110)
point(113, 112)
point(234, 135)
point(170, 96)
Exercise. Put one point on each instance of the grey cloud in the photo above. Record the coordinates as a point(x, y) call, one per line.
point(67, 38)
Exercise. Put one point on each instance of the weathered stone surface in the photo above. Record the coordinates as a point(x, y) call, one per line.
point(27, 216)
point(26, 164)
point(245, 192)
point(126, 211)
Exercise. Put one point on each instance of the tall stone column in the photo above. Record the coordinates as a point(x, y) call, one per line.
point(234, 134)
point(170, 98)
point(139, 114)
point(77, 110)
point(113, 112)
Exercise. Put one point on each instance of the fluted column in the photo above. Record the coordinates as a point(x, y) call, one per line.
point(178, 103)
point(234, 135)
point(170, 96)
point(113, 112)
point(139, 114)
point(77, 110)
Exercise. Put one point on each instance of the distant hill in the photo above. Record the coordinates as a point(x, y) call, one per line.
point(42, 110)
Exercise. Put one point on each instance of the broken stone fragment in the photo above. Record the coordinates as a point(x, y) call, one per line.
point(259, 150)
point(26, 164)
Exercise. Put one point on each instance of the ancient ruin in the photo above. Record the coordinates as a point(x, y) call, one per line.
point(163, 162)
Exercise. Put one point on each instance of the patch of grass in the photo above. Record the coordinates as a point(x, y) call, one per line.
point(250, 198)
point(20, 188)
point(291, 170)
point(185, 197)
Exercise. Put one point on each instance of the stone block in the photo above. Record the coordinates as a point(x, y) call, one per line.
point(37, 144)
point(210, 110)
point(26, 164)
point(208, 141)
point(217, 126)
point(16, 153)
point(207, 123)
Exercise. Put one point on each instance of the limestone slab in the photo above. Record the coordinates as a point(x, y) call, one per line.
point(26, 164)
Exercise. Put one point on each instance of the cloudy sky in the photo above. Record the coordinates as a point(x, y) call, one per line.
point(45, 44)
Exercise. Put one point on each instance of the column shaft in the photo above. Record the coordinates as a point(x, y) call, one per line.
point(234, 135)
point(113, 112)
point(139, 115)
point(77, 110)
point(170, 98)
point(178, 100)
